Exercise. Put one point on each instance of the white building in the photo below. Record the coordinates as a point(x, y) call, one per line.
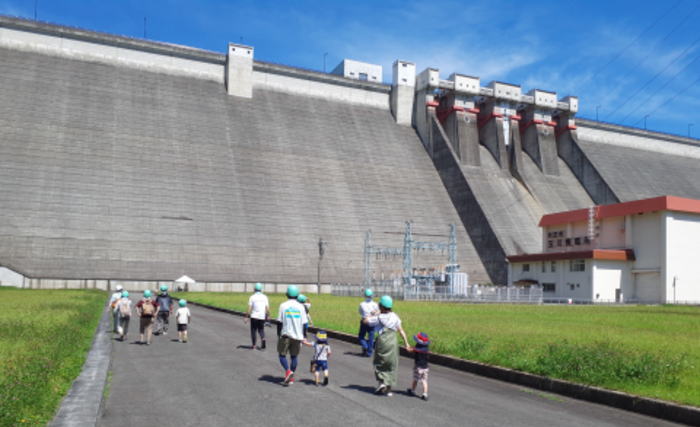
point(359, 70)
point(645, 251)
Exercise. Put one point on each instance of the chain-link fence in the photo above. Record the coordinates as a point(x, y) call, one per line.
point(472, 293)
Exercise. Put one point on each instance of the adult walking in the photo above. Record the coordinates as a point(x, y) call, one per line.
point(386, 355)
point(113, 306)
point(290, 332)
point(147, 310)
point(258, 312)
point(165, 307)
point(366, 335)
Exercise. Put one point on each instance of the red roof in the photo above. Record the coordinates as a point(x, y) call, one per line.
point(663, 203)
point(604, 254)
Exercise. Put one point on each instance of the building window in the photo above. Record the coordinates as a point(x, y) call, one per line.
point(568, 242)
point(577, 265)
point(550, 243)
point(526, 267)
point(553, 266)
point(363, 76)
point(577, 241)
point(561, 234)
point(544, 267)
point(559, 242)
point(549, 287)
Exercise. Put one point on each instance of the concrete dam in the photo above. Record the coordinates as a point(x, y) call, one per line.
point(125, 159)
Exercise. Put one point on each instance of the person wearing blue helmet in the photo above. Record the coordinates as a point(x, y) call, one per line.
point(165, 307)
point(258, 313)
point(366, 335)
point(290, 332)
point(147, 310)
point(386, 350)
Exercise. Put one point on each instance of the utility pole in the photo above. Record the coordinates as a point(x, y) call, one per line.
point(324, 61)
point(597, 107)
point(35, 8)
point(321, 251)
point(645, 121)
point(690, 125)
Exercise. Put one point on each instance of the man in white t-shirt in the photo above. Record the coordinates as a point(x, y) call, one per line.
point(258, 313)
point(367, 308)
point(290, 332)
point(113, 300)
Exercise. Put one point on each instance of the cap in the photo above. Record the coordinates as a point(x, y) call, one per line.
point(182, 303)
point(147, 293)
point(258, 287)
point(301, 298)
point(119, 288)
point(125, 294)
point(163, 288)
point(321, 336)
point(292, 291)
point(421, 338)
point(368, 293)
point(386, 301)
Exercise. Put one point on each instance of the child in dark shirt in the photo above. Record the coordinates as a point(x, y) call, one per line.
point(420, 367)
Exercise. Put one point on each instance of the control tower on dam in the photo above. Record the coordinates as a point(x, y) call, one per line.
point(127, 159)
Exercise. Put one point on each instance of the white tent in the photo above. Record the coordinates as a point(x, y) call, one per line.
point(185, 279)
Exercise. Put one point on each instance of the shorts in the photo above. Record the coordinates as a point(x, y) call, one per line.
point(420, 374)
point(145, 323)
point(321, 365)
point(181, 327)
point(288, 345)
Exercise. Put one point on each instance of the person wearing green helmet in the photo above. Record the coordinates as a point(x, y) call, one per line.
point(258, 313)
point(290, 332)
point(182, 317)
point(165, 307)
point(304, 300)
point(147, 310)
point(386, 351)
point(366, 335)
point(124, 311)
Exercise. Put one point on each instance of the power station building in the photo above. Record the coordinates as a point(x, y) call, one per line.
point(640, 251)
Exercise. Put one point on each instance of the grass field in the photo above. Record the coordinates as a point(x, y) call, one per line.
point(652, 351)
point(44, 338)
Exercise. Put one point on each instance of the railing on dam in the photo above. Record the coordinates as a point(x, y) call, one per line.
point(471, 294)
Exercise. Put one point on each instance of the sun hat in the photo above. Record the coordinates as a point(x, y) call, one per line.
point(421, 338)
point(321, 336)
point(386, 301)
point(368, 293)
point(301, 298)
point(292, 291)
point(147, 293)
point(258, 287)
point(182, 303)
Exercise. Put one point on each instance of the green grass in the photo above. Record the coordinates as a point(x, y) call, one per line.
point(44, 338)
point(652, 351)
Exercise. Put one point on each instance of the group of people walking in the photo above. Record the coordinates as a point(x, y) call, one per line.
point(150, 311)
point(380, 328)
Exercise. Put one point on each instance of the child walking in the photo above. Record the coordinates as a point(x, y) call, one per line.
point(182, 316)
point(420, 367)
point(319, 363)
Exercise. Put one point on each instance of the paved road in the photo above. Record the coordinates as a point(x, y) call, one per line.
point(215, 380)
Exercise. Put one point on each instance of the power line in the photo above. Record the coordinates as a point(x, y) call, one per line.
point(679, 56)
point(648, 82)
point(669, 100)
point(653, 24)
point(671, 80)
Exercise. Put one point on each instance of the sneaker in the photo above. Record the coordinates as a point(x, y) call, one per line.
point(165, 333)
point(410, 392)
point(262, 347)
point(325, 380)
point(388, 391)
point(291, 381)
point(288, 377)
point(381, 389)
point(424, 396)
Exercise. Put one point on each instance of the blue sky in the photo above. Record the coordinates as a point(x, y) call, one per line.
point(624, 59)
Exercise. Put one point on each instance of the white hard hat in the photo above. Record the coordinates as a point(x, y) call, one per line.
point(119, 287)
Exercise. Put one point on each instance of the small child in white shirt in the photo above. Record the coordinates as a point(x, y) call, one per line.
point(182, 315)
point(319, 362)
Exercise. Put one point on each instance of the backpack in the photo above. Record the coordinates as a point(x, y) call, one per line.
point(125, 309)
point(147, 309)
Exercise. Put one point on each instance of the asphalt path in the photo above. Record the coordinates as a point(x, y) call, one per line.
point(217, 380)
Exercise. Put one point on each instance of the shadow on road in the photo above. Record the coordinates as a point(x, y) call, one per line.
point(271, 379)
point(363, 388)
point(247, 347)
point(352, 353)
